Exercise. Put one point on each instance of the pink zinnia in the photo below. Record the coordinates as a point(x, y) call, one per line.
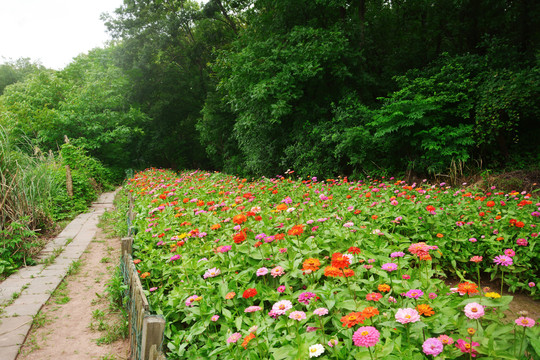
point(297, 315)
point(522, 242)
point(215, 318)
point(252, 309)
point(474, 310)
point(320, 311)
point(389, 267)
point(366, 336)
point(407, 315)
point(446, 340)
point(525, 321)
point(281, 307)
point(234, 338)
point(281, 289)
point(432, 346)
point(262, 271)
point(277, 271)
point(476, 259)
point(509, 252)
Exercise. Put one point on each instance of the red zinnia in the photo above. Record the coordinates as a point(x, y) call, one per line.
point(354, 250)
point(251, 292)
point(296, 230)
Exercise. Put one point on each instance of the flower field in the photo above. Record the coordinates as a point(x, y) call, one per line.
point(297, 269)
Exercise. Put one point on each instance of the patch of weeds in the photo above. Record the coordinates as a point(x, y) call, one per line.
point(74, 267)
point(50, 259)
point(60, 295)
point(98, 314)
point(68, 241)
point(105, 260)
point(109, 357)
point(40, 320)
point(113, 333)
point(62, 300)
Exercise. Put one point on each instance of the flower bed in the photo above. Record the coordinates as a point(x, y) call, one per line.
point(285, 269)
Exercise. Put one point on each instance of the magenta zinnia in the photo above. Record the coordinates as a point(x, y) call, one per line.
point(503, 260)
point(366, 336)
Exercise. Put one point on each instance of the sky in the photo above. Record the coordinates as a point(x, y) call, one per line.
point(52, 31)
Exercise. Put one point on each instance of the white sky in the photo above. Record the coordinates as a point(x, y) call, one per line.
point(52, 31)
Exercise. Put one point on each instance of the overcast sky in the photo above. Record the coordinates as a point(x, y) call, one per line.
point(52, 31)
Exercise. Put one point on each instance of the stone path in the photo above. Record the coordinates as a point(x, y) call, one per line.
point(25, 292)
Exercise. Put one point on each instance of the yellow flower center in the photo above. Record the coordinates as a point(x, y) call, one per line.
point(365, 333)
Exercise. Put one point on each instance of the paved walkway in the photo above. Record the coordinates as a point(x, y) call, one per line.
point(26, 291)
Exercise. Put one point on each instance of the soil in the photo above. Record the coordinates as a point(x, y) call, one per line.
point(68, 326)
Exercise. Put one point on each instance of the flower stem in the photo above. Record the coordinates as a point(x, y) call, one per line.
point(502, 280)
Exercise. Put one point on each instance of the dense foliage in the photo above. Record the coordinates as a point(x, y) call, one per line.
point(277, 268)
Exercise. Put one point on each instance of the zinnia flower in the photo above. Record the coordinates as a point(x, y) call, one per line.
point(474, 310)
point(432, 346)
point(249, 293)
point(234, 338)
point(407, 315)
point(316, 350)
point(305, 297)
point(503, 260)
point(251, 309)
point(213, 272)
point(262, 271)
point(277, 271)
point(466, 347)
point(525, 321)
point(467, 288)
point(366, 336)
point(352, 319)
point(389, 267)
point(425, 309)
point(414, 293)
point(320, 311)
point(297, 315)
point(446, 340)
point(311, 264)
point(281, 307)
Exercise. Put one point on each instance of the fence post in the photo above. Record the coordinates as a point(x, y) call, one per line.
point(152, 334)
point(127, 245)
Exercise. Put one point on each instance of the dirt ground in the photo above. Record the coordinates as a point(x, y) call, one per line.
point(77, 322)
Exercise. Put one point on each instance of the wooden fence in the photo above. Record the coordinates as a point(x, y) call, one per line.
point(145, 330)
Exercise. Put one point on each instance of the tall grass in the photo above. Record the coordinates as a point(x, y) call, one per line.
point(26, 183)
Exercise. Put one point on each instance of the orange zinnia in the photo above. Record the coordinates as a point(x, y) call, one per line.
point(311, 264)
point(383, 288)
point(247, 339)
point(369, 312)
point(296, 230)
point(339, 261)
point(215, 227)
point(239, 219)
point(352, 319)
point(281, 207)
point(468, 288)
point(425, 309)
point(332, 271)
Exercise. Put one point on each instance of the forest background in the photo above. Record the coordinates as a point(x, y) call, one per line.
point(428, 88)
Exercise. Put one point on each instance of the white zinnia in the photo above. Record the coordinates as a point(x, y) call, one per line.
point(315, 350)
